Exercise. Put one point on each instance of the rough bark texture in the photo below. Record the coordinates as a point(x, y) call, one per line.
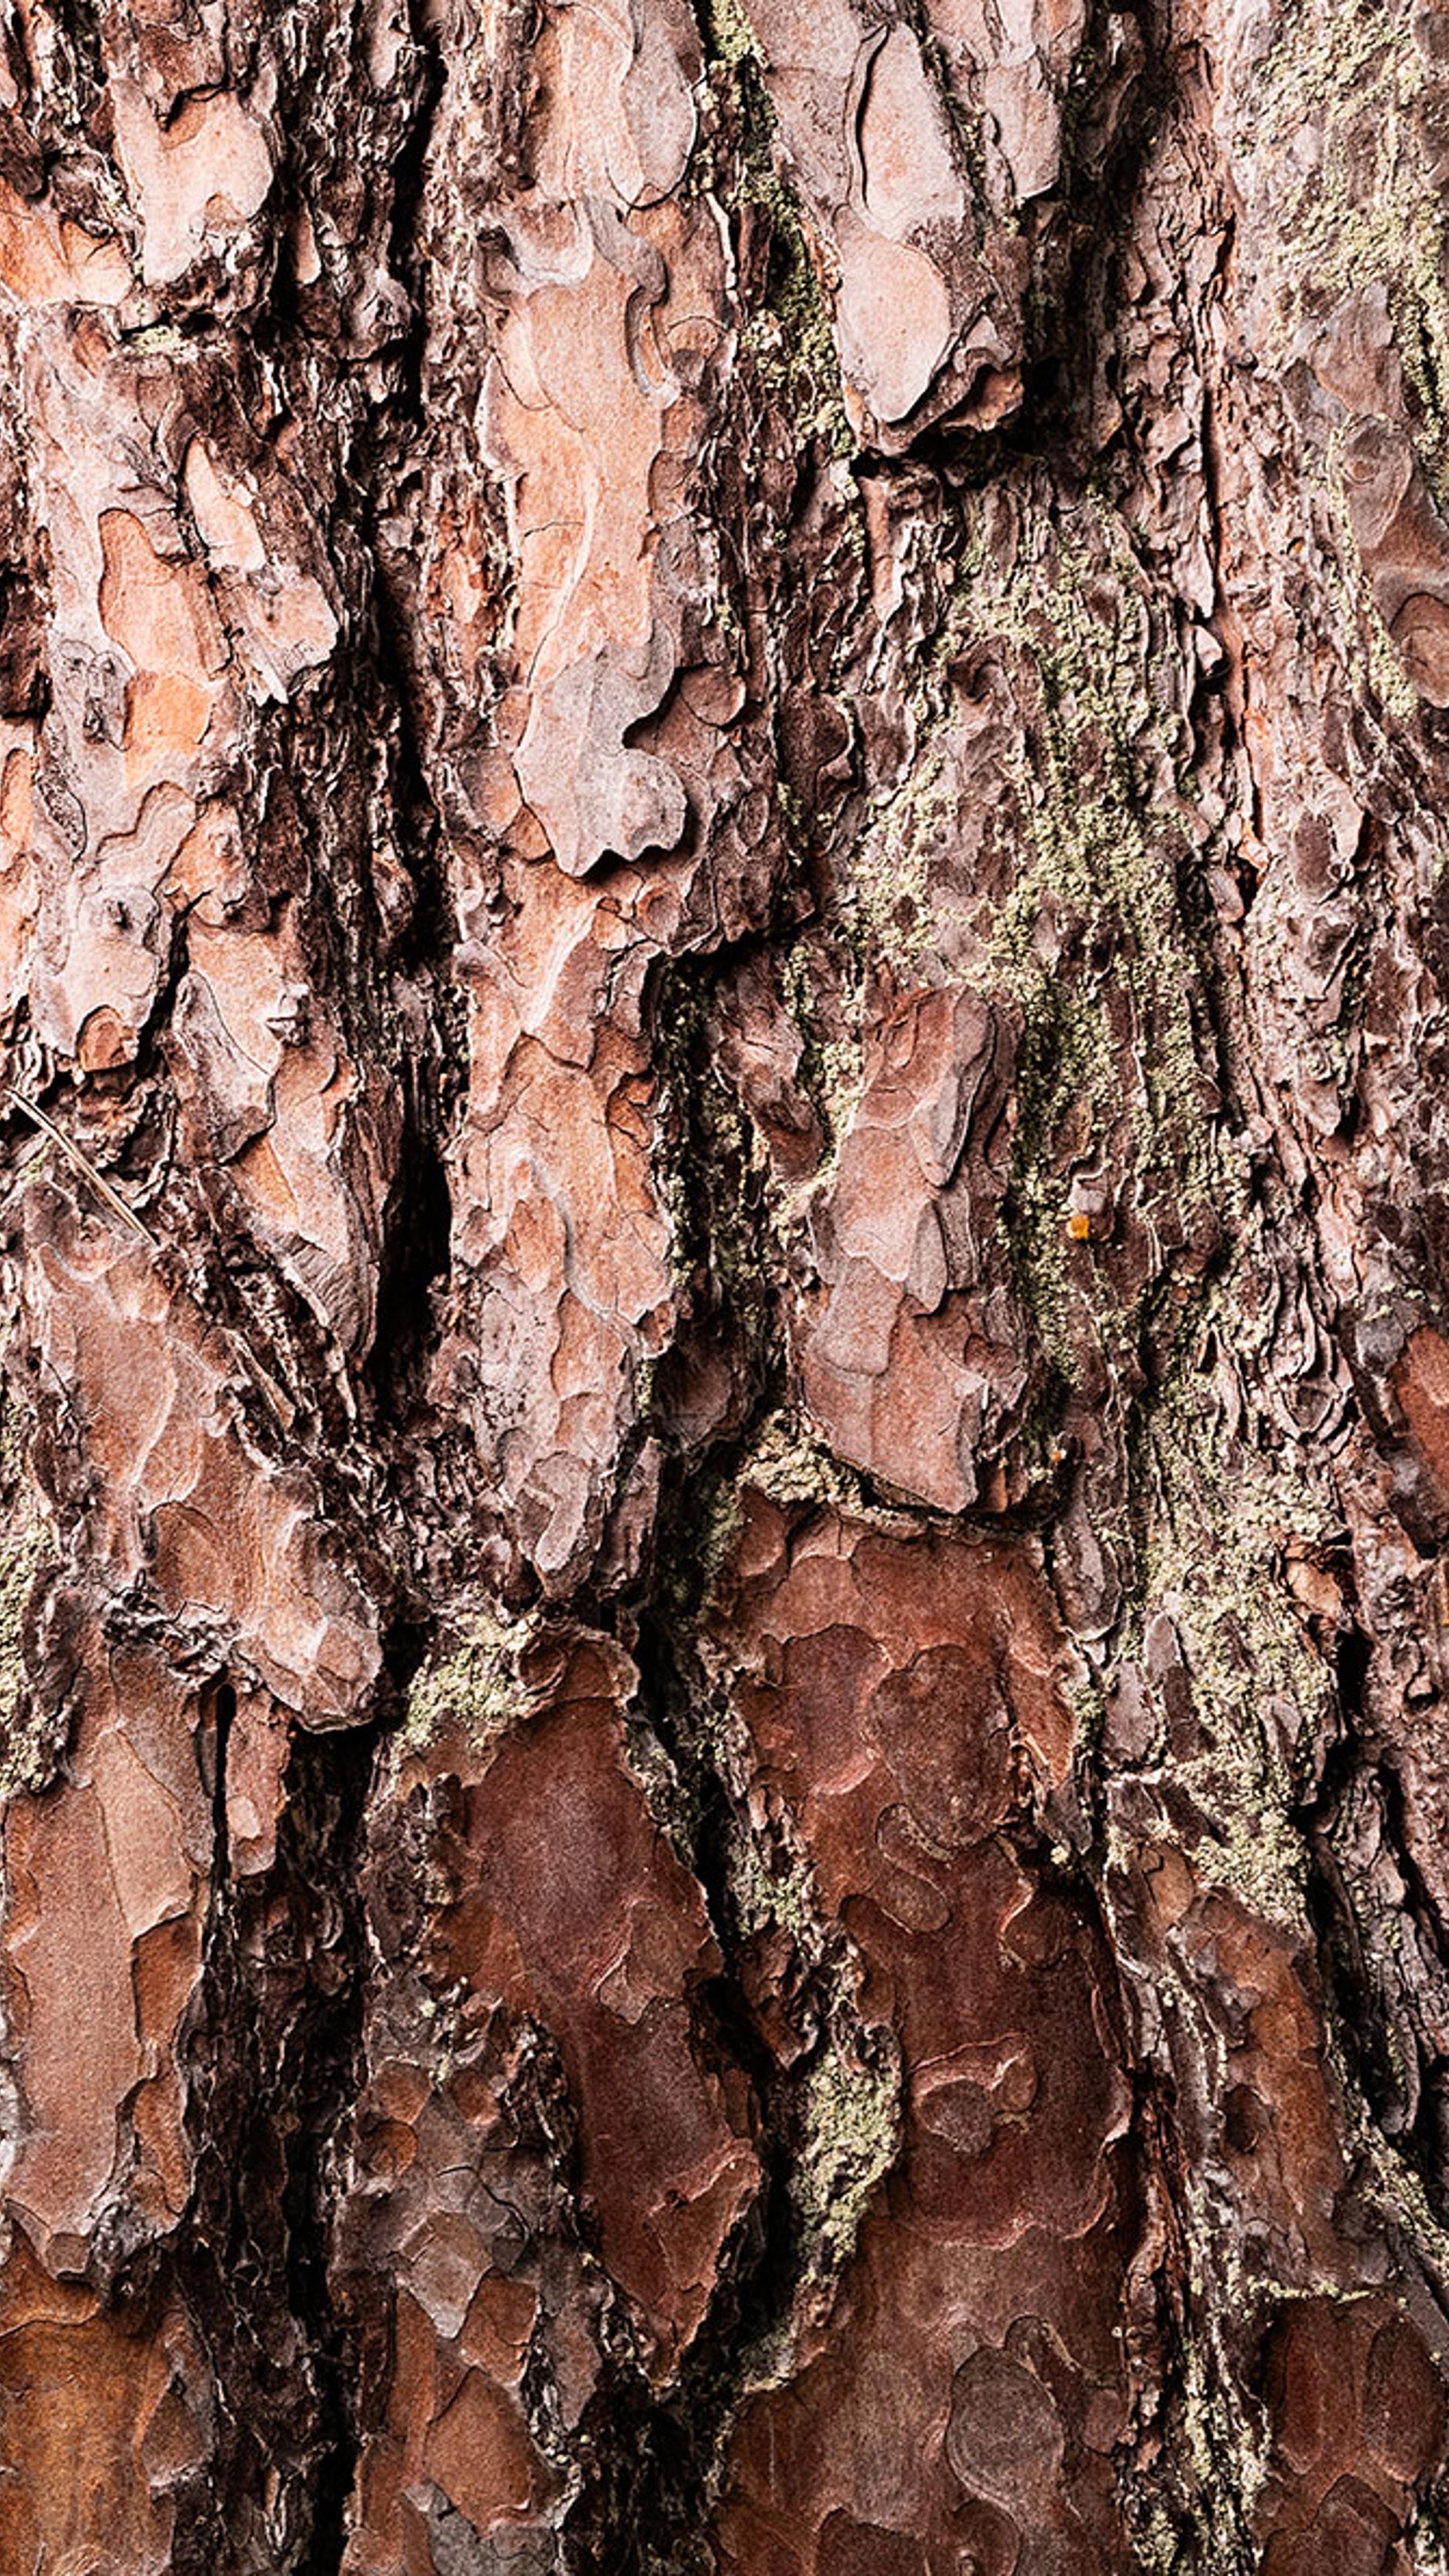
point(725, 1462)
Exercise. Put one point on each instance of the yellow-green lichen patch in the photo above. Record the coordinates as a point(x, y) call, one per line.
point(789, 1465)
point(731, 34)
point(1104, 791)
point(1378, 662)
point(1428, 2553)
point(27, 1748)
point(832, 1069)
point(849, 2114)
point(792, 336)
point(840, 2107)
point(886, 896)
point(1198, 2517)
point(475, 1685)
point(1218, 1513)
point(1334, 127)
point(1226, 2463)
point(789, 333)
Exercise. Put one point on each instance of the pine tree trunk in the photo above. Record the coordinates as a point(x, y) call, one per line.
point(723, 767)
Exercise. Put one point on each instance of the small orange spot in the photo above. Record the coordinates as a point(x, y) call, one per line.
point(1079, 1226)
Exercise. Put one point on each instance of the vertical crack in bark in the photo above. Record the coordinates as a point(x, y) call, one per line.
point(328, 2078)
point(289, 1956)
point(650, 2491)
point(274, 2069)
point(416, 1255)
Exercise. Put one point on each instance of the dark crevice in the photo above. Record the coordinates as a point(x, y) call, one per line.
point(332, 1790)
point(1381, 1962)
point(276, 2048)
point(648, 2486)
point(416, 1251)
point(274, 2063)
point(648, 2458)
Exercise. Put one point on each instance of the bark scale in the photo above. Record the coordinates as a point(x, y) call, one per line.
point(726, 1406)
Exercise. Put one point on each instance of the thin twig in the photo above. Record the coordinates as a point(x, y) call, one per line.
point(102, 1188)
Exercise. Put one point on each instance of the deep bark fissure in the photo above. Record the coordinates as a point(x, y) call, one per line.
point(285, 1958)
point(330, 2078)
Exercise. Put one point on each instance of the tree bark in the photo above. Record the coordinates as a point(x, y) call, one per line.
point(724, 738)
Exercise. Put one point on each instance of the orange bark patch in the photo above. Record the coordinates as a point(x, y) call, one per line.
point(1421, 1383)
point(894, 1694)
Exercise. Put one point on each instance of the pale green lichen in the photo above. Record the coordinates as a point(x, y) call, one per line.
point(1086, 1703)
point(789, 1465)
point(157, 339)
point(1362, 212)
point(731, 34)
point(1381, 663)
point(772, 1887)
point(1221, 1494)
point(791, 336)
point(783, 1460)
point(1104, 787)
point(1219, 1497)
point(1158, 2543)
point(832, 1069)
point(1425, 2540)
point(1096, 825)
point(849, 2135)
point(1390, 2182)
point(27, 1747)
point(475, 1685)
point(844, 2107)
point(1228, 2452)
point(1204, 2525)
point(886, 894)
point(1219, 1513)
point(790, 333)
